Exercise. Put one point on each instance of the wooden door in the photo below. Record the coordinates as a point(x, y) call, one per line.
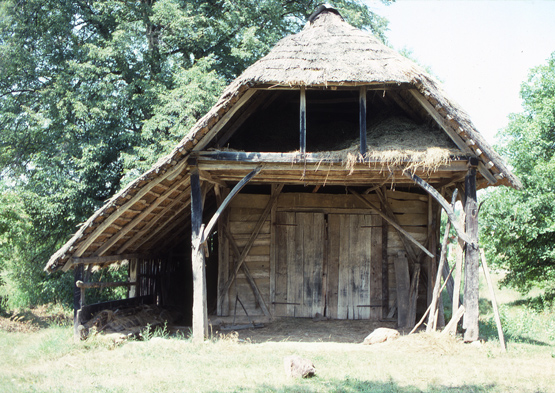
point(338, 275)
point(299, 286)
point(354, 266)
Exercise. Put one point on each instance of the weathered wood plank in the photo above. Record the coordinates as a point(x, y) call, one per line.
point(333, 265)
point(344, 282)
point(402, 279)
point(376, 273)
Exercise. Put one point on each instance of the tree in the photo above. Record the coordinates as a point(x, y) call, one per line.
point(519, 225)
point(92, 92)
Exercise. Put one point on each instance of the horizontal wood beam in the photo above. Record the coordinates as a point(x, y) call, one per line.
point(89, 285)
point(298, 158)
point(107, 259)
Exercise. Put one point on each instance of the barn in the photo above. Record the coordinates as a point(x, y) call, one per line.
point(314, 186)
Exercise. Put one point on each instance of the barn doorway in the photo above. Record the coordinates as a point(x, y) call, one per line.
point(328, 263)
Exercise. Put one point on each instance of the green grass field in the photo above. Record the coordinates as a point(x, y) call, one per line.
point(47, 360)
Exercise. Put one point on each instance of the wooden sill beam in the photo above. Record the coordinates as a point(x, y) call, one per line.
point(89, 285)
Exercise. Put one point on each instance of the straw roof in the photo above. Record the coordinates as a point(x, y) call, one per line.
point(328, 52)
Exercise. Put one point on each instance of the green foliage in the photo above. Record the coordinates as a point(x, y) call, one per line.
point(92, 93)
point(518, 226)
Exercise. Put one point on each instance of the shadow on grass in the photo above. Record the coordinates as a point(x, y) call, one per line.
point(317, 385)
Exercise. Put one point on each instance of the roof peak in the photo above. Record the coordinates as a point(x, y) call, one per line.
point(321, 9)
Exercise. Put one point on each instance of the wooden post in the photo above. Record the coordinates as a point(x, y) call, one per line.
point(200, 313)
point(362, 120)
point(77, 276)
point(133, 277)
point(472, 257)
point(303, 121)
point(493, 302)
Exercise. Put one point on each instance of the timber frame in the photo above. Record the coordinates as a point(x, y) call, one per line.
point(283, 222)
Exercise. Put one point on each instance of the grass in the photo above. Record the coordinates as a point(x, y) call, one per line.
point(47, 360)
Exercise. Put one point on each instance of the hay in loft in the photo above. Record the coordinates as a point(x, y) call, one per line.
point(398, 142)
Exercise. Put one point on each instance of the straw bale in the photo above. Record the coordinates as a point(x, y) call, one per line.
point(131, 320)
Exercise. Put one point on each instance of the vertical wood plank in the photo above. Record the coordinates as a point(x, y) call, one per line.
point(364, 260)
point(376, 272)
point(200, 314)
point(273, 251)
point(385, 269)
point(284, 238)
point(314, 255)
point(133, 277)
point(295, 270)
point(343, 275)
point(472, 260)
point(223, 257)
point(402, 280)
point(333, 265)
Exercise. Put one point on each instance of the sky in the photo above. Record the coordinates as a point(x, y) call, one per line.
point(481, 50)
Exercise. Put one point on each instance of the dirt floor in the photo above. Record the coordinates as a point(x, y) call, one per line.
point(308, 330)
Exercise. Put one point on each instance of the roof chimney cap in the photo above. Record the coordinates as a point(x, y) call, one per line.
point(321, 8)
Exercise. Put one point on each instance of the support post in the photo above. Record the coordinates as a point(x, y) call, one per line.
point(200, 313)
point(303, 121)
point(472, 257)
point(133, 277)
point(362, 120)
point(77, 276)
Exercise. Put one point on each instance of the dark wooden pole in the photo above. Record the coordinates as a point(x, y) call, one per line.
point(362, 120)
point(303, 121)
point(472, 257)
point(77, 276)
point(200, 313)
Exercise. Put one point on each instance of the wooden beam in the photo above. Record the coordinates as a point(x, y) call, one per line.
point(250, 242)
point(441, 121)
point(90, 238)
point(200, 312)
point(438, 197)
point(493, 301)
point(148, 232)
point(256, 102)
point(138, 218)
point(362, 120)
point(302, 116)
point(106, 259)
point(248, 276)
point(432, 320)
point(226, 201)
point(211, 179)
point(390, 221)
point(89, 285)
point(216, 128)
point(472, 260)
point(457, 163)
point(387, 208)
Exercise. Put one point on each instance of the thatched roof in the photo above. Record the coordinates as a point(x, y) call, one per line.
point(328, 52)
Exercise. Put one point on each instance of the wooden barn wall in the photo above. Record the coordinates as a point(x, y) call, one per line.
point(337, 249)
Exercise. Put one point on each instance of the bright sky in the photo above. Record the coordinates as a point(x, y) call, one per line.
point(482, 50)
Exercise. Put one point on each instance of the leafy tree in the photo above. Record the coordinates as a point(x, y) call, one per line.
point(519, 226)
point(92, 92)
